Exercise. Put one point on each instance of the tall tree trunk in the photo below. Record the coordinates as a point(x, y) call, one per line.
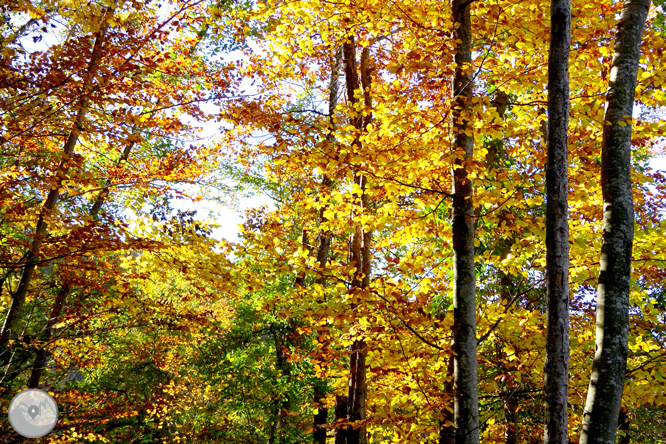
point(511, 434)
point(500, 102)
point(556, 367)
point(360, 245)
point(509, 398)
point(464, 292)
point(320, 418)
point(41, 229)
point(604, 395)
point(43, 353)
point(341, 407)
point(282, 402)
point(447, 430)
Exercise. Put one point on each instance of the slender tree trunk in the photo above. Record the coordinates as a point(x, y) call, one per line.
point(447, 430)
point(604, 396)
point(341, 407)
point(360, 246)
point(556, 367)
point(509, 398)
point(500, 102)
point(41, 229)
point(102, 196)
point(42, 354)
point(281, 402)
point(320, 418)
point(464, 276)
point(511, 434)
point(357, 393)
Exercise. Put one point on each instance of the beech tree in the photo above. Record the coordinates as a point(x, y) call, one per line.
point(464, 272)
point(604, 396)
point(556, 367)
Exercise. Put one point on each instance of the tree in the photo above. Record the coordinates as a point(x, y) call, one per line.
point(464, 282)
point(556, 367)
point(41, 227)
point(602, 408)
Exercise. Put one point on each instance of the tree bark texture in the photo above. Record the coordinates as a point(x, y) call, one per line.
point(41, 228)
point(466, 404)
point(604, 396)
point(556, 366)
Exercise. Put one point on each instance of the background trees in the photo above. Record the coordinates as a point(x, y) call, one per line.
point(147, 327)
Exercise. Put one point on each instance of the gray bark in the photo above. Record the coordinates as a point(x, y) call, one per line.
point(466, 404)
point(556, 366)
point(604, 396)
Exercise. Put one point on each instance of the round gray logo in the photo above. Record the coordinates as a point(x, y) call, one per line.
point(33, 413)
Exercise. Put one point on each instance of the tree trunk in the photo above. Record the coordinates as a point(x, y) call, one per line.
point(624, 427)
point(43, 354)
point(511, 418)
point(282, 403)
point(361, 240)
point(556, 366)
point(447, 431)
point(500, 102)
point(320, 418)
point(604, 396)
point(340, 417)
point(464, 293)
point(509, 398)
point(41, 229)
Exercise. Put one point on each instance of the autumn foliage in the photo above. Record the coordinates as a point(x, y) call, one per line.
point(123, 122)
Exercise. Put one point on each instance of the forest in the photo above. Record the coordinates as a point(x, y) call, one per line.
point(463, 241)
